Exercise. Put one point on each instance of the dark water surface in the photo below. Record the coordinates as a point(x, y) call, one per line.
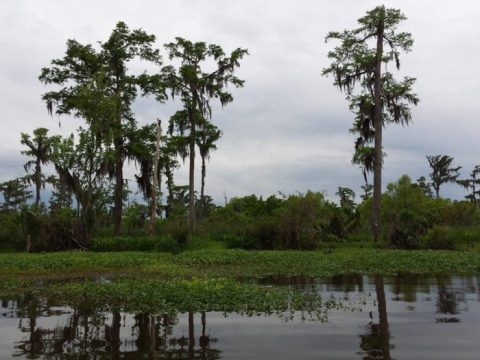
point(402, 317)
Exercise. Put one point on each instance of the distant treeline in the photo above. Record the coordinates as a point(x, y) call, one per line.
point(413, 218)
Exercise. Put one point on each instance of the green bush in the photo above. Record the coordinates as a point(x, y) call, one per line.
point(460, 214)
point(405, 213)
point(11, 234)
point(234, 241)
point(408, 214)
point(134, 218)
point(361, 237)
point(438, 238)
point(464, 238)
point(175, 227)
point(300, 221)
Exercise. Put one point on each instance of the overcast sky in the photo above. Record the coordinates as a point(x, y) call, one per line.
point(287, 129)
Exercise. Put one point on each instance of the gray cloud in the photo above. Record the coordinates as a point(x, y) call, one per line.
point(288, 128)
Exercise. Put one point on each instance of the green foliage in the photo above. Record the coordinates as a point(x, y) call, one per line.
point(243, 222)
point(97, 86)
point(410, 213)
point(407, 213)
point(11, 234)
point(452, 238)
point(235, 241)
point(460, 214)
point(196, 89)
point(38, 147)
point(15, 194)
point(135, 217)
point(45, 231)
point(82, 173)
point(472, 185)
point(301, 221)
point(425, 186)
point(175, 226)
point(437, 238)
point(48, 231)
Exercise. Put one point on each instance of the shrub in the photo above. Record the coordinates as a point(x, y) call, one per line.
point(405, 215)
point(234, 241)
point(11, 234)
point(460, 213)
point(175, 227)
point(135, 217)
point(437, 238)
point(300, 221)
point(303, 221)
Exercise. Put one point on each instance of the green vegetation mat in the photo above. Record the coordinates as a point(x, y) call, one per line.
point(205, 280)
point(232, 263)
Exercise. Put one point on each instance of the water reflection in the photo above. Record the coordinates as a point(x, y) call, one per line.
point(101, 335)
point(376, 342)
point(398, 314)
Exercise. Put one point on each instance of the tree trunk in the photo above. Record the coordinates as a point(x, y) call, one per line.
point(118, 196)
point(114, 335)
point(34, 340)
point(191, 335)
point(378, 124)
point(153, 335)
point(38, 183)
point(203, 338)
point(384, 333)
point(29, 243)
point(169, 174)
point(202, 191)
point(89, 221)
point(191, 178)
point(118, 142)
point(474, 191)
point(204, 323)
point(153, 210)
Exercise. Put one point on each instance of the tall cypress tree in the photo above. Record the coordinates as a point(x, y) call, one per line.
point(196, 88)
point(379, 98)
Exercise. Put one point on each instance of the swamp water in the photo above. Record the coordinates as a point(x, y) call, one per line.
point(401, 317)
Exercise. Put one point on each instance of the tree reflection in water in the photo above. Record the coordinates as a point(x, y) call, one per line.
point(376, 343)
point(85, 332)
point(107, 336)
point(448, 304)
